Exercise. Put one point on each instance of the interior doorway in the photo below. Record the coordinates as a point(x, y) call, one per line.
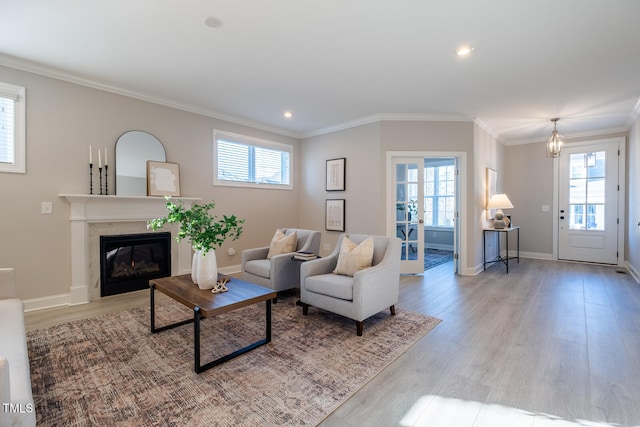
point(424, 205)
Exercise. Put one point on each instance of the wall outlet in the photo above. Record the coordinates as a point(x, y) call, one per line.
point(326, 247)
point(47, 207)
point(231, 252)
point(546, 208)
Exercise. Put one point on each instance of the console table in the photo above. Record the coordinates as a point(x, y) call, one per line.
point(499, 258)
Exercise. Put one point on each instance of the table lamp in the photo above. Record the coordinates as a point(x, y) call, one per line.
point(499, 202)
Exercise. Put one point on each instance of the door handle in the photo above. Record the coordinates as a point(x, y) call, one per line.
point(421, 221)
point(562, 217)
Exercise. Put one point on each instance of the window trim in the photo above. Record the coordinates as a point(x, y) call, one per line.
point(17, 94)
point(256, 142)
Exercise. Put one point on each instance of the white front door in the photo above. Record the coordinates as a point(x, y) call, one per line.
point(588, 203)
point(409, 212)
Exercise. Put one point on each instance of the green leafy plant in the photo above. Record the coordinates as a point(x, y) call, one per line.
point(204, 229)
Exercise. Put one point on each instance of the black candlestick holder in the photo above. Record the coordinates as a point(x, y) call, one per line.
point(90, 178)
point(100, 173)
point(106, 180)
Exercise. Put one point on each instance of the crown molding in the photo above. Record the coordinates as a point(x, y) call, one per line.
point(633, 117)
point(47, 71)
point(487, 129)
point(376, 118)
point(567, 137)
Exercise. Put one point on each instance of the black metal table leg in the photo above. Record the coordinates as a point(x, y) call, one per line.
point(154, 330)
point(196, 331)
point(152, 290)
point(484, 250)
point(518, 236)
point(268, 321)
point(196, 339)
point(506, 237)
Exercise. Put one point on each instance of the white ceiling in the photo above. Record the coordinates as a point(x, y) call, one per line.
point(335, 62)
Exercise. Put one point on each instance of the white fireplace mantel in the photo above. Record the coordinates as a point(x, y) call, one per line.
point(87, 209)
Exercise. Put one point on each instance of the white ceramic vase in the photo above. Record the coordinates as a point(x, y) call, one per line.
point(204, 269)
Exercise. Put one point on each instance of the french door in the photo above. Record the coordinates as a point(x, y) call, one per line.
point(426, 191)
point(588, 203)
point(409, 212)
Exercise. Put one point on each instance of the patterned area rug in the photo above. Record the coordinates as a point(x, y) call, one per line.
point(436, 257)
point(110, 370)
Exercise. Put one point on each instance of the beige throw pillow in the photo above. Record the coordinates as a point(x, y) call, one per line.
point(281, 244)
point(353, 258)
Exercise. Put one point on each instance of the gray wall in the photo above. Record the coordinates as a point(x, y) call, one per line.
point(366, 147)
point(364, 183)
point(529, 185)
point(62, 120)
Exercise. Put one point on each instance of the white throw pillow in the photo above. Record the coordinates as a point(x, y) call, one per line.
point(281, 244)
point(353, 258)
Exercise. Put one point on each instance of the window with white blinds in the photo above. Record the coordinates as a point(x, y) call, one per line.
point(250, 162)
point(12, 135)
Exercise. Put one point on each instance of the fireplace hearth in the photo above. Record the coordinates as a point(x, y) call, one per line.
point(129, 261)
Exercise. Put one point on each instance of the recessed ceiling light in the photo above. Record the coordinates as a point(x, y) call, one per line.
point(212, 22)
point(464, 50)
point(288, 114)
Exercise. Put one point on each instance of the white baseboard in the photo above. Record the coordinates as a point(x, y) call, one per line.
point(232, 269)
point(64, 300)
point(535, 255)
point(634, 272)
point(52, 301)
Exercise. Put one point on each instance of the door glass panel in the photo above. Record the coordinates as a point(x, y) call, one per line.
point(587, 191)
point(577, 191)
point(577, 166)
point(596, 190)
point(407, 208)
point(401, 192)
point(595, 217)
point(576, 217)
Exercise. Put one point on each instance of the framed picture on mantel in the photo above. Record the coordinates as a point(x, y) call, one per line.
point(492, 178)
point(163, 179)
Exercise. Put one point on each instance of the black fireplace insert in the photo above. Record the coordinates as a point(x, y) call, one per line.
point(129, 261)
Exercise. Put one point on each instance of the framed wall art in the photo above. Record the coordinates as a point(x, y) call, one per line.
point(163, 179)
point(336, 169)
point(334, 215)
point(492, 179)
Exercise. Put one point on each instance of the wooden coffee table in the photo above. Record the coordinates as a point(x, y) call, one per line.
point(206, 304)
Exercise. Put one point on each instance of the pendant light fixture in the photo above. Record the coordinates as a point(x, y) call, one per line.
point(554, 144)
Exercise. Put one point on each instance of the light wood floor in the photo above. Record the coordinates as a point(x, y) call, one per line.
point(550, 343)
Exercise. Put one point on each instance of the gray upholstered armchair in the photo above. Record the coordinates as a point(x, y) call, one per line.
point(280, 272)
point(357, 297)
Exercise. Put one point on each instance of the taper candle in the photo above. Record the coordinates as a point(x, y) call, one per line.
point(99, 159)
point(90, 158)
point(105, 156)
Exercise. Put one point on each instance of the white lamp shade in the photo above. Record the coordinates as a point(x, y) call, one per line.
point(499, 201)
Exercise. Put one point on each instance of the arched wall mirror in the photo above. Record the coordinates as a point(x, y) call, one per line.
point(133, 149)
